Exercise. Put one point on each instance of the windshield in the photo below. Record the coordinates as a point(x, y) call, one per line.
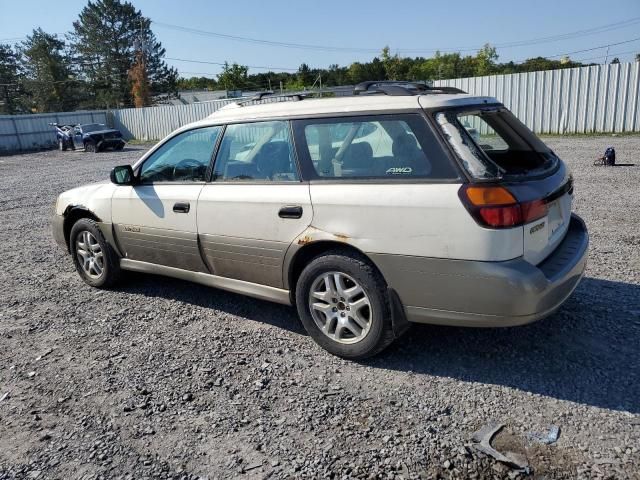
point(93, 127)
point(492, 143)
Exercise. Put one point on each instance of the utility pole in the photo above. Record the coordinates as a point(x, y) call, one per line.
point(606, 57)
point(280, 87)
point(269, 79)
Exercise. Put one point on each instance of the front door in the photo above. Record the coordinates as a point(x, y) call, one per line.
point(255, 206)
point(155, 220)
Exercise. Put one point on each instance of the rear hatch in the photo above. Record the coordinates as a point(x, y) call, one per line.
point(496, 150)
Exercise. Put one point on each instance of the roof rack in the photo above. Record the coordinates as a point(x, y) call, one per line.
point(260, 96)
point(400, 88)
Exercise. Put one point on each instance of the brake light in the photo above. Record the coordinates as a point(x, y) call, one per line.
point(496, 207)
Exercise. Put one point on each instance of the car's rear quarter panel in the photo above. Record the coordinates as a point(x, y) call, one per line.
point(414, 219)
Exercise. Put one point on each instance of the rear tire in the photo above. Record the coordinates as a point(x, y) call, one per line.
point(119, 146)
point(95, 260)
point(343, 304)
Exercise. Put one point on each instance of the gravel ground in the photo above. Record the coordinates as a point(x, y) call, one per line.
point(164, 379)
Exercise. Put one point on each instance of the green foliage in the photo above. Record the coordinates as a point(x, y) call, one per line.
point(10, 81)
point(197, 83)
point(304, 77)
point(393, 67)
point(233, 77)
point(106, 37)
point(48, 76)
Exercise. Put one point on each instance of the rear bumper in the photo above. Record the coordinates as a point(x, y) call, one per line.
point(487, 294)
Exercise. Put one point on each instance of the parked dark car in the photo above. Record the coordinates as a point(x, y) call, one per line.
point(95, 137)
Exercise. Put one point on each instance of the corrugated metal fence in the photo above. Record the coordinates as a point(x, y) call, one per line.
point(153, 123)
point(29, 132)
point(601, 98)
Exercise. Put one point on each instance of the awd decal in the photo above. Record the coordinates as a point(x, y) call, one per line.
point(396, 170)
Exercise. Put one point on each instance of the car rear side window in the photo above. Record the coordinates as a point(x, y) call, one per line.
point(260, 151)
point(383, 146)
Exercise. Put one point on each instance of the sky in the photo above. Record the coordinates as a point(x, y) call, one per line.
point(348, 31)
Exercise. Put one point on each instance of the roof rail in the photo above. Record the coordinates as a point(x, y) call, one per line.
point(260, 96)
point(400, 88)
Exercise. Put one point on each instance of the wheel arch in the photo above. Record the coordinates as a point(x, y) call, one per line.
point(72, 214)
point(304, 252)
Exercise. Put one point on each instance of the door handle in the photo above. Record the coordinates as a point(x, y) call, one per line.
point(290, 211)
point(181, 207)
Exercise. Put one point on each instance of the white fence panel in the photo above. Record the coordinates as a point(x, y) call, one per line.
point(31, 132)
point(599, 98)
point(152, 123)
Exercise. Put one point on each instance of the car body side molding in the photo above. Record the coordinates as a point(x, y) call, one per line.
point(262, 292)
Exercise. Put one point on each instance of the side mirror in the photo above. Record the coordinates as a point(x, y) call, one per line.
point(122, 175)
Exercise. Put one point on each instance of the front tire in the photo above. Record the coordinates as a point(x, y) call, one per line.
point(62, 146)
point(90, 147)
point(95, 260)
point(343, 305)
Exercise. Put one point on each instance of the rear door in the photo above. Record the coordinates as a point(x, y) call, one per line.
point(256, 204)
point(155, 220)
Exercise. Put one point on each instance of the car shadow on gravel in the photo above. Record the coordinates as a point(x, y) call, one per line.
point(587, 352)
point(274, 314)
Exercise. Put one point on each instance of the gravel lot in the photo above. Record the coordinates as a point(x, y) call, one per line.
point(165, 379)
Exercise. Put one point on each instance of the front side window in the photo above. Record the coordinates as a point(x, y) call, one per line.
point(183, 158)
point(387, 146)
point(261, 151)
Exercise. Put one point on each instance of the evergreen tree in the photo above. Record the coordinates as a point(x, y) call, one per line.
point(106, 38)
point(10, 81)
point(48, 77)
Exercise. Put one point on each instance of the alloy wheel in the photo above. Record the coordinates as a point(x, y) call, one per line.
point(90, 255)
point(340, 307)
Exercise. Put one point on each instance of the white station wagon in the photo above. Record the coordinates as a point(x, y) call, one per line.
point(404, 203)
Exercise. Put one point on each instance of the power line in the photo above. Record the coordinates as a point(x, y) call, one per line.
point(17, 39)
point(520, 43)
point(584, 50)
point(206, 62)
point(611, 54)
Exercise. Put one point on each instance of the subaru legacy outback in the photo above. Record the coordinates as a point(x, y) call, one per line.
point(404, 203)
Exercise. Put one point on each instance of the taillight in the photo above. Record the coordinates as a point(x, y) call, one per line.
point(495, 206)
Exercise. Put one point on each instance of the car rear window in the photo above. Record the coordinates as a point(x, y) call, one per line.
point(386, 146)
point(493, 143)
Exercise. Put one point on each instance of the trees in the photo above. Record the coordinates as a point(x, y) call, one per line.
point(485, 61)
point(10, 78)
point(305, 77)
point(48, 76)
point(106, 39)
point(233, 77)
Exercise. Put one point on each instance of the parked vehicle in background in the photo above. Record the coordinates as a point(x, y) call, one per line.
point(96, 137)
point(403, 204)
point(64, 136)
